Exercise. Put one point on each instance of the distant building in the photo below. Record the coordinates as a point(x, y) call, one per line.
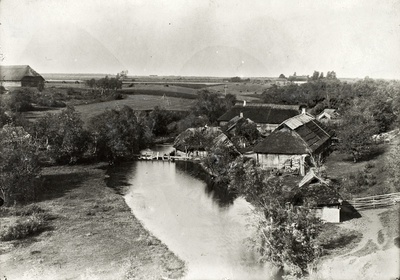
point(329, 115)
point(295, 144)
point(266, 116)
point(19, 76)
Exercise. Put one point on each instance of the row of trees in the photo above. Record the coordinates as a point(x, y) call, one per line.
point(63, 138)
point(366, 107)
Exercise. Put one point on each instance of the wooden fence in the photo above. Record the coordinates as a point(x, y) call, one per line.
point(376, 201)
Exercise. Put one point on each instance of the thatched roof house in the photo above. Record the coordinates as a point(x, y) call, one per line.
point(266, 116)
point(293, 142)
point(19, 75)
point(195, 141)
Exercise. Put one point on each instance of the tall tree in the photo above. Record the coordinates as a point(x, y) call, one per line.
point(119, 134)
point(63, 135)
point(19, 165)
point(212, 105)
point(355, 133)
point(286, 235)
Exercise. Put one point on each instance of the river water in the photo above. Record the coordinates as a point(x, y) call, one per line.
point(205, 229)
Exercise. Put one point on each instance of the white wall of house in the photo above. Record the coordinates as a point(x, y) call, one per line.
point(279, 161)
point(7, 84)
point(328, 214)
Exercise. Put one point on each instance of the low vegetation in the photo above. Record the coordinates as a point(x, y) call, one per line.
point(24, 227)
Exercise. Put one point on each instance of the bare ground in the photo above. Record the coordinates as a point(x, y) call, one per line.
point(375, 256)
point(92, 235)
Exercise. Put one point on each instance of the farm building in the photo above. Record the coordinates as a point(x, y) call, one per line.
point(266, 116)
point(193, 142)
point(19, 76)
point(295, 144)
point(328, 115)
point(318, 194)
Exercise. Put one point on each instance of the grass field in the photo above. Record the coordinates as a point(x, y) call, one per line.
point(248, 91)
point(161, 90)
point(136, 102)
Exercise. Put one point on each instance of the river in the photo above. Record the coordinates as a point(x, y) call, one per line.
point(196, 223)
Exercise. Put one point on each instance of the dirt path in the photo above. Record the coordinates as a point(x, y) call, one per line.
point(369, 225)
point(375, 257)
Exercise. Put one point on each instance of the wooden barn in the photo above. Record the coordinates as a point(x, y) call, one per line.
point(19, 76)
point(266, 116)
point(295, 144)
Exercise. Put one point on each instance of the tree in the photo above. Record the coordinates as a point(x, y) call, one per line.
point(21, 100)
point(355, 133)
point(218, 161)
point(286, 235)
point(91, 83)
point(248, 130)
point(63, 135)
point(315, 76)
point(19, 165)
point(287, 239)
point(160, 119)
point(210, 105)
point(282, 76)
point(119, 134)
point(331, 75)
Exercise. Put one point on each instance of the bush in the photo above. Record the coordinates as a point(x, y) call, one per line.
point(21, 100)
point(50, 101)
point(24, 227)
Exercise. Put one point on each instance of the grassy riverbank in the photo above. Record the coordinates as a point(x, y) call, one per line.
point(90, 234)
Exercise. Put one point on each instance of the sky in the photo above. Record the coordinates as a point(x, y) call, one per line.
point(265, 38)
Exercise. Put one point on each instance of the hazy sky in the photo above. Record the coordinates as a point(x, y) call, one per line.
point(198, 37)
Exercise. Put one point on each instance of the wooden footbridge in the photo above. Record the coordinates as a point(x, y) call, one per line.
point(165, 157)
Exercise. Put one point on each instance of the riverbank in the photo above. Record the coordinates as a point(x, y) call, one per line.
point(92, 234)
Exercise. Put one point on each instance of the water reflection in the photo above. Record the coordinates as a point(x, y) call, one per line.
point(218, 193)
point(203, 227)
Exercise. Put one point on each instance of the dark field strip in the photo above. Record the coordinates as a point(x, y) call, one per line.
point(160, 93)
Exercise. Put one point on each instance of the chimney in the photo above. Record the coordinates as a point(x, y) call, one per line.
point(303, 109)
point(244, 103)
point(241, 114)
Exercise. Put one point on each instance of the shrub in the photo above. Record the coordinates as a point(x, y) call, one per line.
point(21, 100)
point(24, 227)
point(30, 209)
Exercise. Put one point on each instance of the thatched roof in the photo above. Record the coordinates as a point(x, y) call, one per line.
point(318, 195)
point(17, 72)
point(282, 142)
point(261, 113)
point(200, 138)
